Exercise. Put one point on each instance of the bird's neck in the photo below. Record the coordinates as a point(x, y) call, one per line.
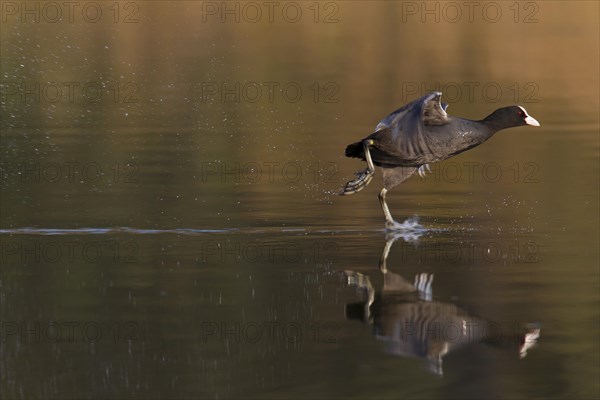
point(482, 129)
point(493, 125)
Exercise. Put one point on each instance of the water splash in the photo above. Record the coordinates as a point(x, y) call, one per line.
point(410, 230)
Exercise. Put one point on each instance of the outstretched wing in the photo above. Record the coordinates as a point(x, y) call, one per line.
point(429, 107)
point(400, 138)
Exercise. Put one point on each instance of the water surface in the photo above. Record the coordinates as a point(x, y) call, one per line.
point(179, 236)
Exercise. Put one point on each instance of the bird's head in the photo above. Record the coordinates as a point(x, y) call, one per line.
point(508, 117)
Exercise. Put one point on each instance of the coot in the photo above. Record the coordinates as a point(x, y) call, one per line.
point(420, 133)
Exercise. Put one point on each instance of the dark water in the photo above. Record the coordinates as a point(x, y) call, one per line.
point(169, 223)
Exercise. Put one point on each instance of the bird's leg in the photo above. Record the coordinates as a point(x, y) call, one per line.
point(389, 221)
point(362, 282)
point(363, 178)
point(370, 165)
point(384, 255)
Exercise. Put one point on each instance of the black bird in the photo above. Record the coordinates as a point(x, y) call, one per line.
point(411, 323)
point(420, 133)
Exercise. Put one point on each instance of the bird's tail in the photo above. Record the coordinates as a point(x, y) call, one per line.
point(355, 150)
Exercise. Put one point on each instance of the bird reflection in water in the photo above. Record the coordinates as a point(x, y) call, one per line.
point(405, 316)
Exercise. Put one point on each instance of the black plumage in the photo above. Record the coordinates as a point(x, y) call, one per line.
point(421, 133)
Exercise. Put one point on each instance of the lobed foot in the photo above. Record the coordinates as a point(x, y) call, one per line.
point(364, 177)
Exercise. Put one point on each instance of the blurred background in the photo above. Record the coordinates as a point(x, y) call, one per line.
point(169, 172)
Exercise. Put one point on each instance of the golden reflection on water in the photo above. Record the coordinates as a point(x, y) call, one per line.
point(186, 101)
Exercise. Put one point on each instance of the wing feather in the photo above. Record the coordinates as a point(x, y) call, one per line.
point(400, 139)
